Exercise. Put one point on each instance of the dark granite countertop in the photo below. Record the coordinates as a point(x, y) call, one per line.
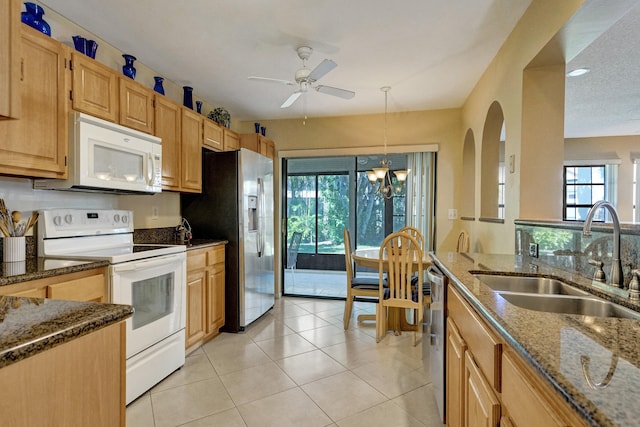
point(40, 268)
point(29, 326)
point(555, 344)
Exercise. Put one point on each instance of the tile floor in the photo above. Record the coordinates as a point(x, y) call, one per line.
point(297, 366)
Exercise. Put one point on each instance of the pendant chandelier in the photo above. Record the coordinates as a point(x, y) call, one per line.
point(381, 178)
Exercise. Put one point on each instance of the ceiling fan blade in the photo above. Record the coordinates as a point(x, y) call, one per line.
point(323, 68)
point(295, 95)
point(286, 82)
point(341, 93)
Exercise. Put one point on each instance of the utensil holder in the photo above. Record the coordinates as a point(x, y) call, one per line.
point(14, 268)
point(14, 249)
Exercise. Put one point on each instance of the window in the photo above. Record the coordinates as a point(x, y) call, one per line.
point(583, 186)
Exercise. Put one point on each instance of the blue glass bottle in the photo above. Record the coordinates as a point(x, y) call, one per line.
point(128, 69)
point(188, 97)
point(158, 86)
point(33, 18)
point(199, 106)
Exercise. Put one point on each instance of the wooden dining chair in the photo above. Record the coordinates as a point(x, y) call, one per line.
point(357, 287)
point(403, 256)
point(417, 234)
point(463, 242)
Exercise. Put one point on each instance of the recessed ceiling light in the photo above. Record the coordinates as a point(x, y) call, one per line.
point(578, 72)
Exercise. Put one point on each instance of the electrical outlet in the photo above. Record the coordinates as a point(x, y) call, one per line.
point(154, 212)
point(453, 213)
point(533, 250)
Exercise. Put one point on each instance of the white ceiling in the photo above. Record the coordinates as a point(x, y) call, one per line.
point(430, 52)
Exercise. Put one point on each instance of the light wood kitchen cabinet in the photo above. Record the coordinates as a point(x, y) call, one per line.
point(213, 135)
point(231, 140)
point(527, 401)
point(258, 143)
point(136, 105)
point(205, 294)
point(482, 407)
point(456, 349)
point(191, 165)
point(78, 383)
point(10, 47)
point(168, 117)
point(88, 285)
point(95, 88)
point(37, 144)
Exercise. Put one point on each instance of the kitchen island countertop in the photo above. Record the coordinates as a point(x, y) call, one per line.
point(39, 268)
point(555, 344)
point(29, 326)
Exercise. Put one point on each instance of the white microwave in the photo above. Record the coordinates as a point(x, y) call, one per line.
point(106, 157)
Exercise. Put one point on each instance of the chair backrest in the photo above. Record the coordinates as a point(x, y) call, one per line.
point(294, 246)
point(403, 255)
point(463, 242)
point(415, 233)
point(347, 255)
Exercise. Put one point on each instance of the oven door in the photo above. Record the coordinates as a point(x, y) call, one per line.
point(155, 287)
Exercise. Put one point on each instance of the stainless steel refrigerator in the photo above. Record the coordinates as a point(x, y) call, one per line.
point(236, 204)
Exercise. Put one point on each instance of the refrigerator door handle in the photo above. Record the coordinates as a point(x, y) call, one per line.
point(260, 234)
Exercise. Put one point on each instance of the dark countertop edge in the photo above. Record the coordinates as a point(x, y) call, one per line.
point(491, 318)
point(43, 274)
point(198, 244)
point(115, 313)
point(625, 228)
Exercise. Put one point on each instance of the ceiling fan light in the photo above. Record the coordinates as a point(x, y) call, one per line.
point(402, 175)
point(380, 172)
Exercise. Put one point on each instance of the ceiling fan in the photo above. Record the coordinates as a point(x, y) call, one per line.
point(305, 79)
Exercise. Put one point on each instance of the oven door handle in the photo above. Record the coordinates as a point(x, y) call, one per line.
point(141, 265)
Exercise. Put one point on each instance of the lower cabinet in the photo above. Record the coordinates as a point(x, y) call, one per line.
point(488, 383)
point(79, 383)
point(89, 285)
point(205, 294)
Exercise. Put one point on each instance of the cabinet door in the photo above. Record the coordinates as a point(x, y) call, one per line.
point(482, 406)
point(136, 105)
point(231, 140)
point(36, 145)
point(195, 308)
point(213, 135)
point(456, 348)
point(250, 141)
point(191, 179)
point(95, 88)
point(10, 53)
point(86, 289)
point(215, 289)
point(167, 126)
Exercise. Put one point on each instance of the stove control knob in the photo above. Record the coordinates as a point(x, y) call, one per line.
point(116, 218)
point(57, 220)
point(68, 218)
point(125, 219)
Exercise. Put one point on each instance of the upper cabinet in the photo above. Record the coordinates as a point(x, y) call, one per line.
point(191, 150)
point(136, 105)
point(95, 88)
point(168, 117)
point(259, 144)
point(213, 135)
point(231, 140)
point(36, 144)
point(10, 54)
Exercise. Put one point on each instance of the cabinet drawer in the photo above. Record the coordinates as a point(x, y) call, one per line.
point(196, 259)
point(85, 289)
point(484, 345)
point(215, 255)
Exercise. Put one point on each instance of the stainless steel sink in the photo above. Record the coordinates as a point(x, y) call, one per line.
point(528, 284)
point(570, 304)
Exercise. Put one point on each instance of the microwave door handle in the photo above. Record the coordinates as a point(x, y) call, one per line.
point(151, 167)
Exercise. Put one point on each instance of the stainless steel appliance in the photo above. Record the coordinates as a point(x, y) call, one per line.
point(437, 336)
point(236, 204)
point(106, 157)
point(150, 278)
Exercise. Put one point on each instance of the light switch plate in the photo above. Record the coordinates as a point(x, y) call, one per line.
point(533, 250)
point(453, 213)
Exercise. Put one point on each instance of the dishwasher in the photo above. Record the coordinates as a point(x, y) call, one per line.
point(437, 337)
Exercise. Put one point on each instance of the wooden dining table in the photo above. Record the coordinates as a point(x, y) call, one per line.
point(370, 258)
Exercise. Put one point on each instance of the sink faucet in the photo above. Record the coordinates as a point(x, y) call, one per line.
point(617, 278)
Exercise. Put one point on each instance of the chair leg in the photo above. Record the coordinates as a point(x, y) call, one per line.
point(348, 305)
point(381, 322)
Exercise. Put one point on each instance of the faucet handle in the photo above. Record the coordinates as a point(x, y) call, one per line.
point(634, 285)
point(598, 275)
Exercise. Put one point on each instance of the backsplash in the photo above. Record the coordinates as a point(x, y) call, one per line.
point(562, 245)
